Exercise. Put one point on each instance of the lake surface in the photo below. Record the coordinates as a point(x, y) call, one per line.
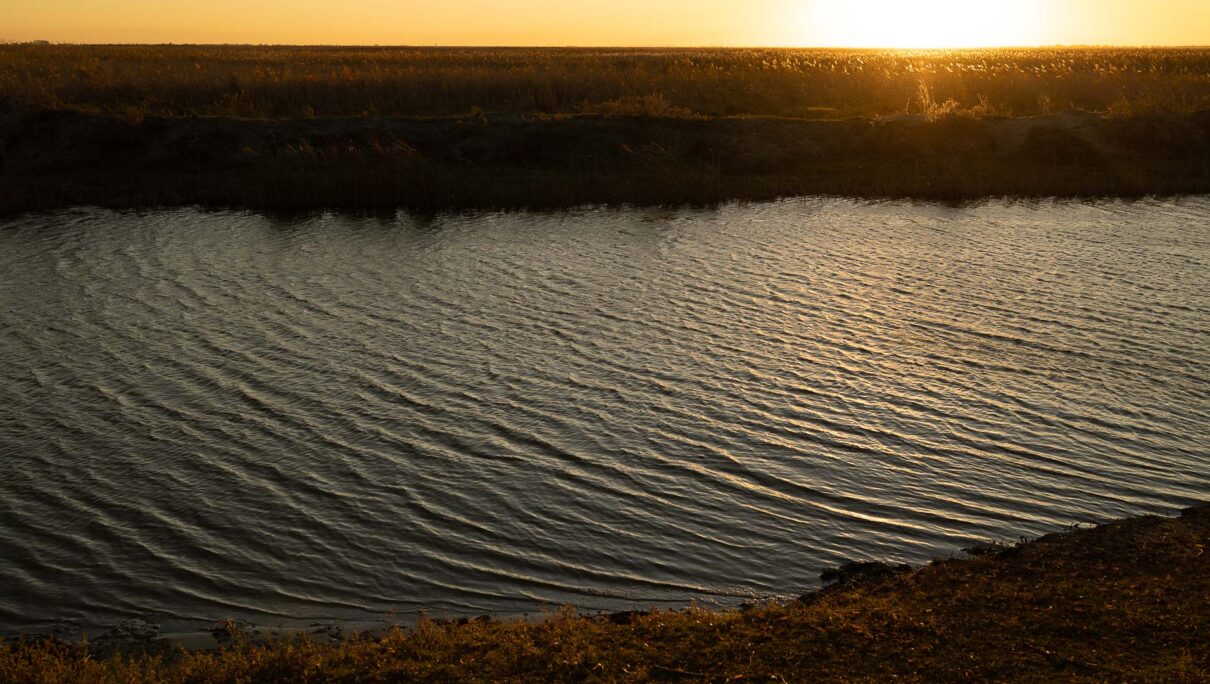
point(211, 415)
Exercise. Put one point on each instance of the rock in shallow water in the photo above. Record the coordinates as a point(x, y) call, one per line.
point(860, 572)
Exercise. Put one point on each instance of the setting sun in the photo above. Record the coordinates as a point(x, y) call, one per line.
point(747, 23)
point(925, 23)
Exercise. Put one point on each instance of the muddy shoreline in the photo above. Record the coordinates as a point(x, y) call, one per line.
point(54, 159)
point(1111, 545)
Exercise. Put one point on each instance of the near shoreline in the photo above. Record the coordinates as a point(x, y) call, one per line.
point(1126, 601)
point(58, 158)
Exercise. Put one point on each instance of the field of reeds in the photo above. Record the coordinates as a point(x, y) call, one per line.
point(1125, 602)
point(460, 128)
point(294, 82)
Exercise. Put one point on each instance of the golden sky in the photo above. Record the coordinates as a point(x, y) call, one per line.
point(861, 23)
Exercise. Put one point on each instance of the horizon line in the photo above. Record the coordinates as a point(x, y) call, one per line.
point(553, 46)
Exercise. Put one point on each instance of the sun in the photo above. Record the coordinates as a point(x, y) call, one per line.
point(924, 23)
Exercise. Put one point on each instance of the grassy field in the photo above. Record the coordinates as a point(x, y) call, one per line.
point(1128, 601)
point(290, 82)
point(451, 129)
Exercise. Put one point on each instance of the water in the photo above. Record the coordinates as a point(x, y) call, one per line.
point(210, 415)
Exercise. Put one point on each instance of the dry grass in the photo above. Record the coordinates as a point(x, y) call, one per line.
point(1124, 602)
point(289, 82)
point(454, 128)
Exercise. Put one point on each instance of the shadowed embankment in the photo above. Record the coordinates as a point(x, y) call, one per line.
point(1128, 601)
point(51, 159)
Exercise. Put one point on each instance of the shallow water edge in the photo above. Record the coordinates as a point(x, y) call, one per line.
point(1078, 549)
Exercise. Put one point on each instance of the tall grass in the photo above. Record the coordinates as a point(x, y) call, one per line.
point(290, 82)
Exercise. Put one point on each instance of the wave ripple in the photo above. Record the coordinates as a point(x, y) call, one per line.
point(206, 415)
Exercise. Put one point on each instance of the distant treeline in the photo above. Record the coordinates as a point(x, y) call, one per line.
point(301, 82)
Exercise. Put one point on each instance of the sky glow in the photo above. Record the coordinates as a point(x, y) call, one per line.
point(788, 23)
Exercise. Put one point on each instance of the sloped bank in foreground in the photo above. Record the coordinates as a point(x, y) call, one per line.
point(1127, 601)
point(51, 159)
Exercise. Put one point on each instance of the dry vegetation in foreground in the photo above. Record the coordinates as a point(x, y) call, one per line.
point(1128, 601)
point(293, 82)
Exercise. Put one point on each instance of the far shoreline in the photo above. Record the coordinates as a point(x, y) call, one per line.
point(53, 159)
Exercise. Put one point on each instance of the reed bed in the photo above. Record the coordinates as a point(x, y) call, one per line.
point(269, 82)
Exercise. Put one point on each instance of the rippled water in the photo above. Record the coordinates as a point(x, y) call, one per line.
point(206, 415)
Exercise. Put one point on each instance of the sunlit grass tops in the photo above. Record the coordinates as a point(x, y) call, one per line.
point(289, 82)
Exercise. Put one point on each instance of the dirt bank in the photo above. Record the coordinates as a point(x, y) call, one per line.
point(51, 159)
